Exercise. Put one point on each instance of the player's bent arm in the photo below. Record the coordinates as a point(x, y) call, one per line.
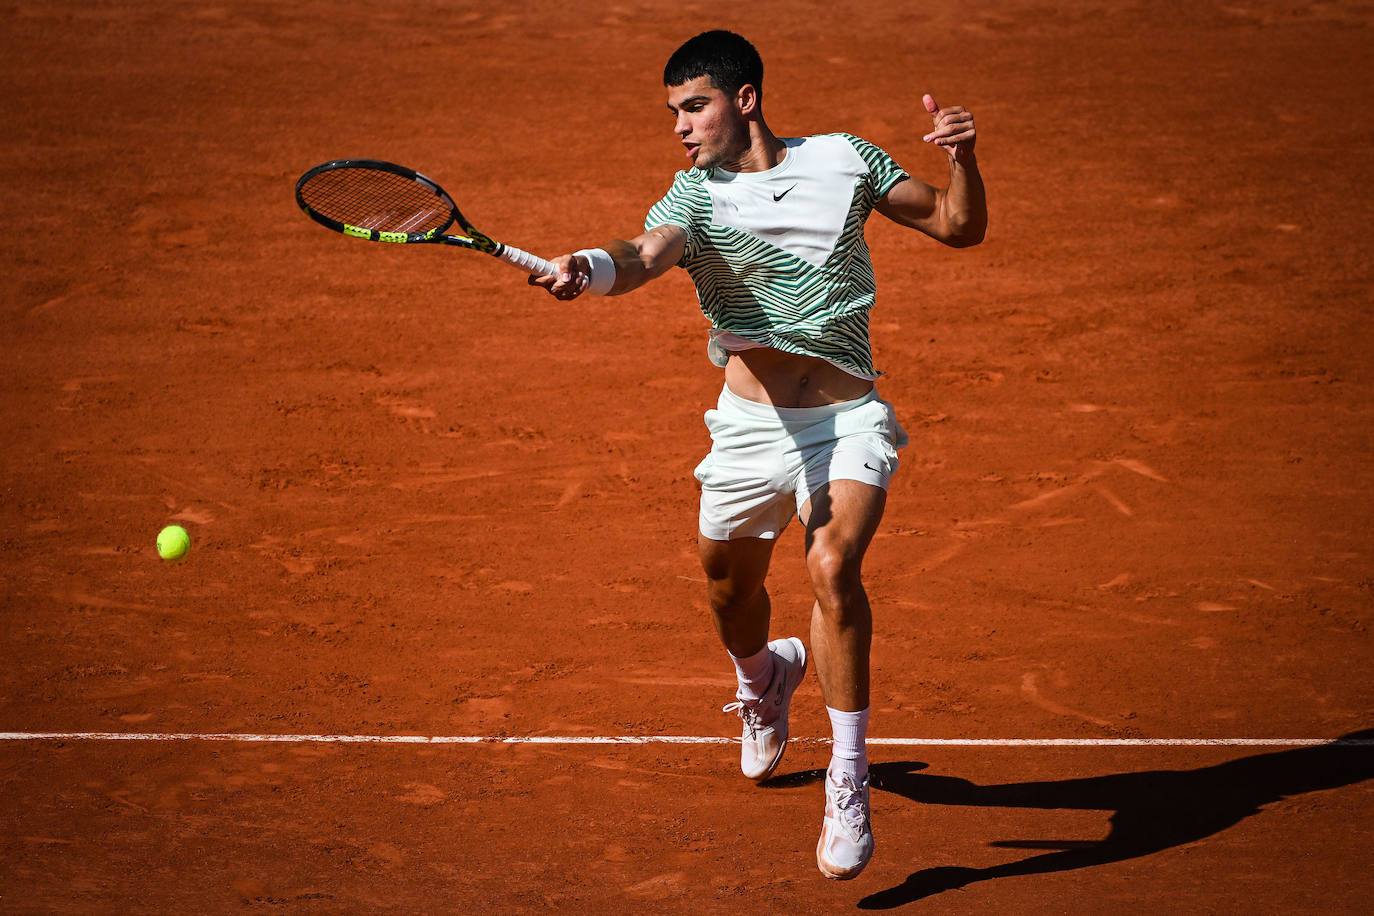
point(956, 215)
point(632, 264)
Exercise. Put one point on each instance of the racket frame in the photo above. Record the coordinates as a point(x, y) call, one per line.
point(474, 239)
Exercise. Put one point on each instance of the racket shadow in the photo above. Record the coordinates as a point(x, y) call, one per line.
point(1152, 810)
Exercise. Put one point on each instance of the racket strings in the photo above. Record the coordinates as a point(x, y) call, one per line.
point(374, 199)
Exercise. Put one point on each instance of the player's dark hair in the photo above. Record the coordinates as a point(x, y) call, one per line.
point(725, 57)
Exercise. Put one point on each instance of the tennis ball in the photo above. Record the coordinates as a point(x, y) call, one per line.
point(173, 542)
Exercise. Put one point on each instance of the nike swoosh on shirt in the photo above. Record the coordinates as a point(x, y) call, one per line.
point(778, 197)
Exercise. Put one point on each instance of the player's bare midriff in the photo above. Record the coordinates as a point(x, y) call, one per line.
point(787, 380)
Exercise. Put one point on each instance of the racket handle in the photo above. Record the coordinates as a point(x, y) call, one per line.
point(529, 263)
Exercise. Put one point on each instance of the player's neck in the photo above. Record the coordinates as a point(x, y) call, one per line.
point(764, 152)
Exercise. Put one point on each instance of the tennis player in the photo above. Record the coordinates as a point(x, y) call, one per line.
point(770, 229)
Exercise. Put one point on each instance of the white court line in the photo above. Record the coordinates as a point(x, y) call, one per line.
point(681, 739)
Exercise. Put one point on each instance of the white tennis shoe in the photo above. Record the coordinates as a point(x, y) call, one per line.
point(846, 842)
point(765, 720)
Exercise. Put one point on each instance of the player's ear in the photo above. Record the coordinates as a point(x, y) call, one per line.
point(747, 99)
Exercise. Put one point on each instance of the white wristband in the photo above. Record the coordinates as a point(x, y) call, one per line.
point(602, 275)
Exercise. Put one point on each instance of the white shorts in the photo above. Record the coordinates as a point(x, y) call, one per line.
point(766, 461)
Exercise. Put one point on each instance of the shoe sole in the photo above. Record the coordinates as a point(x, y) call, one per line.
point(801, 676)
point(839, 875)
point(833, 873)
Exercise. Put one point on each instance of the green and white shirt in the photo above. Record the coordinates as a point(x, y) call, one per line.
point(778, 257)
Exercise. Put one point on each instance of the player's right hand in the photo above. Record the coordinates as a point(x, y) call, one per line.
point(571, 275)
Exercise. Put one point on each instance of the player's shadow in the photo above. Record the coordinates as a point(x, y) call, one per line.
point(1152, 810)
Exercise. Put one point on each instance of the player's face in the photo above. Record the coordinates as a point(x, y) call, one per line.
point(713, 130)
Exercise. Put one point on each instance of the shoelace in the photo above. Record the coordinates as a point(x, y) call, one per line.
point(749, 713)
point(849, 806)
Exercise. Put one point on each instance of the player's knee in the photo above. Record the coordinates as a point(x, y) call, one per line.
point(836, 575)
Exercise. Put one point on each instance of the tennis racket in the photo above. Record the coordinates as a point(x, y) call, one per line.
point(385, 202)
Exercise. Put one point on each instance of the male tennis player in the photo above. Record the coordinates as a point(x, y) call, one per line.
point(771, 231)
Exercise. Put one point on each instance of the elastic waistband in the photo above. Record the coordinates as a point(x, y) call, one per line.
point(733, 402)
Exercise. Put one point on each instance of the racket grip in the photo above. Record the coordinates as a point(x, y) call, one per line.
point(529, 263)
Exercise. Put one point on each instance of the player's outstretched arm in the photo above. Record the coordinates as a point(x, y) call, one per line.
point(618, 266)
point(958, 214)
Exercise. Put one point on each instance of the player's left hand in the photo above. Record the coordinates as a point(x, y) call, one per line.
point(953, 130)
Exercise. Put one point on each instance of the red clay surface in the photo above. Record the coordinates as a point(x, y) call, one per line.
point(425, 499)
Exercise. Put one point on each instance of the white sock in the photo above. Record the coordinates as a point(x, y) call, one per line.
point(755, 673)
point(849, 755)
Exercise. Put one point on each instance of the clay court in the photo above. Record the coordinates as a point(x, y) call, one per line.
point(426, 500)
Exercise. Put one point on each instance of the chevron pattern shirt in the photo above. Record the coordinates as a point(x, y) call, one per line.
point(779, 257)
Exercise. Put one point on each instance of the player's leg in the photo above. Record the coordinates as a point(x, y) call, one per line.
point(841, 518)
point(768, 672)
point(746, 502)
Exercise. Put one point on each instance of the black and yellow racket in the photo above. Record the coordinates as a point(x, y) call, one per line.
point(385, 202)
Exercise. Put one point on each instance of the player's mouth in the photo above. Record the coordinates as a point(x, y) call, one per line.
point(692, 149)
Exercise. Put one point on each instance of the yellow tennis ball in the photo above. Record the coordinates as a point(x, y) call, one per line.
point(173, 542)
